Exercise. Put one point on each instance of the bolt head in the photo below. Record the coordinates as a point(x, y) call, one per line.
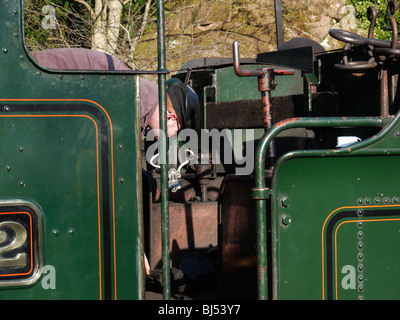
point(286, 220)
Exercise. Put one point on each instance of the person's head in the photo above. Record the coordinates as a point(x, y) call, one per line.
point(183, 108)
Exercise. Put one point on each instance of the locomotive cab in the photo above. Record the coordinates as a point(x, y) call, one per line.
point(289, 190)
point(332, 115)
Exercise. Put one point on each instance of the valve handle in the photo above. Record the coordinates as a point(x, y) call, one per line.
point(251, 73)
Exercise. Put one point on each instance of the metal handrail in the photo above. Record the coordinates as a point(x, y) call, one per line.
point(260, 192)
point(163, 148)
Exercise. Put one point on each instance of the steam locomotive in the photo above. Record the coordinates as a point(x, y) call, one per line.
point(287, 191)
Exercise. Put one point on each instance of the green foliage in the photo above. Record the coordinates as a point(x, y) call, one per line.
point(383, 28)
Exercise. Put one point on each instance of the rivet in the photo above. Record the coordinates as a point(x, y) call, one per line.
point(359, 201)
point(397, 134)
point(361, 278)
point(120, 146)
point(124, 78)
point(15, 34)
point(38, 73)
point(60, 76)
point(360, 213)
point(5, 50)
point(121, 179)
point(82, 78)
point(286, 220)
point(360, 267)
point(15, 11)
point(21, 149)
point(377, 200)
point(103, 78)
point(360, 234)
point(395, 199)
point(21, 57)
point(360, 245)
point(359, 224)
point(55, 232)
point(367, 200)
point(360, 256)
point(8, 167)
point(71, 231)
point(360, 288)
point(386, 200)
point(285, 201)
point(21, 183)
point(6, 109)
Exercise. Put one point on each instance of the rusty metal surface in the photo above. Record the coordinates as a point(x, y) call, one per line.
point(193, 226)
point(237, 249)
point(266, 83)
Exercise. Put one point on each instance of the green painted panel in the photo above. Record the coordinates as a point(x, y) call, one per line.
point(322, 197)
point(53, 162)
point(80, 152)
point(230, 87)
point(367, 261)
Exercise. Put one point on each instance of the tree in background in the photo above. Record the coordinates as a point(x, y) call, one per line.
point(127, 28)
point(383, 28)
point(194, 28)
point(111, 26)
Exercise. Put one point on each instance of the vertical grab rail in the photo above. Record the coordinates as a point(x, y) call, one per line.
point(261, 193)
point(266, 83)
point(163, 148)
